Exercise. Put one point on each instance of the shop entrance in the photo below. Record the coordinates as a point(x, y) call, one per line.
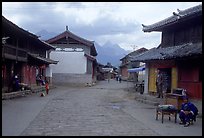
point(166, 72)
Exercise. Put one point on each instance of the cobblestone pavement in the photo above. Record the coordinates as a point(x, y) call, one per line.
point(102, 110)
point(93, 111)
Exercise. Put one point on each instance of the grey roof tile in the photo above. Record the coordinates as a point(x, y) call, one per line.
point(176, 17)
point(174, 52)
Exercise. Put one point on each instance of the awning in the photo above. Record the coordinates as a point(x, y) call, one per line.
point(136, 69)
point(42, 59)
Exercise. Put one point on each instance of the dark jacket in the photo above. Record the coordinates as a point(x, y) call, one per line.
point(189, 107)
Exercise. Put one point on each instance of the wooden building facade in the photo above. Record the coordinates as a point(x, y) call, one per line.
point(100, 72)
point(126, 64)
point(23, 54)
point(180, 53)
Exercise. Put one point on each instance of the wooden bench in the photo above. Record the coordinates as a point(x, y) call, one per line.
point(164, 111)
point(172, 99)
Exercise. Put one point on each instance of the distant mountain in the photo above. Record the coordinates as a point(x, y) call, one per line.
point(45, 35)
point(108, 52)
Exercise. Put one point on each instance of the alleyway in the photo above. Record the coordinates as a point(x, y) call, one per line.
point(104, 109)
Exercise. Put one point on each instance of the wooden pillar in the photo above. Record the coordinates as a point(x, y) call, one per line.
point(16, 50)
point(152, 79)
point(146, 79)
point(174, 76)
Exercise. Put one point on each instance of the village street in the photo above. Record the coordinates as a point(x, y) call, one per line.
point(100, 110)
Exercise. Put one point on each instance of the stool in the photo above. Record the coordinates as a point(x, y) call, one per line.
point(166, 111)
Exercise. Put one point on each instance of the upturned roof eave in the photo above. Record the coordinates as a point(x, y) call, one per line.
point(175, 52)
point(175, 18)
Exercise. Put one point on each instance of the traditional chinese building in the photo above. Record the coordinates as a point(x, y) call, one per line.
point(100, 72)
point(179, 54)
point(126, 64)
point(77, 63)
point(23, 54)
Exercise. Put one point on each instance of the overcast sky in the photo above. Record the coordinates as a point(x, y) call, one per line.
point(118, 22)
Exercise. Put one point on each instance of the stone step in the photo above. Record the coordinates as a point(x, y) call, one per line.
point(37, 89)
point(34, 89)
point(12, 95)
point(150, 98)
point(148, 102)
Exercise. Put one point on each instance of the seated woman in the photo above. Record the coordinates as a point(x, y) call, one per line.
point(188, 113)
point(16, 86)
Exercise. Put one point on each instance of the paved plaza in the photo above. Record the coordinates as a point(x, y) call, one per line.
point(105, 109)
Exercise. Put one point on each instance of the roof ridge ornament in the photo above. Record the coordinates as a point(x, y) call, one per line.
point(178, 10)
point(144, 25)
point(67, 28)
point(177, 14)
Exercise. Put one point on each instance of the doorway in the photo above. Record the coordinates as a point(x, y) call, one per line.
point(166, 72)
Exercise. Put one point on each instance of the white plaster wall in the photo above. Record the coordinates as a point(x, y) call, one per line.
point(48, 72)
point(66, 79)
point(141, 75)
point(69, 62)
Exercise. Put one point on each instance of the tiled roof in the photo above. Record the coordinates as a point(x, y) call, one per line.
point(67, 33)
point(6, 21)
point(46, 60)
point(26, 33)
point(175, 18)
point(51, 46)
point(175, 52)
point(136, 52)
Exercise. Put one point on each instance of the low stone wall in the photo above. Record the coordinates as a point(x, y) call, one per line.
point(36, 89)
point(17, 94)
point(71, 79)
point(12, 95)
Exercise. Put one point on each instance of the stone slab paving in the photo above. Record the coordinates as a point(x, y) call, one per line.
point(86, 112)
point(102, 110)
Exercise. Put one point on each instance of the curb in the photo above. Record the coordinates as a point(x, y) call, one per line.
point(148, 102)
point(6, 96)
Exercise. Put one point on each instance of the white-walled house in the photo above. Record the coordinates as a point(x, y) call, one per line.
point(76, 56)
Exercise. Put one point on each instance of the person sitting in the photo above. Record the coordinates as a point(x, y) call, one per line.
point(16, 86)
point(188, 113)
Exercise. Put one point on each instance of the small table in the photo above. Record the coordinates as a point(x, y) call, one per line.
point(166, 112)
